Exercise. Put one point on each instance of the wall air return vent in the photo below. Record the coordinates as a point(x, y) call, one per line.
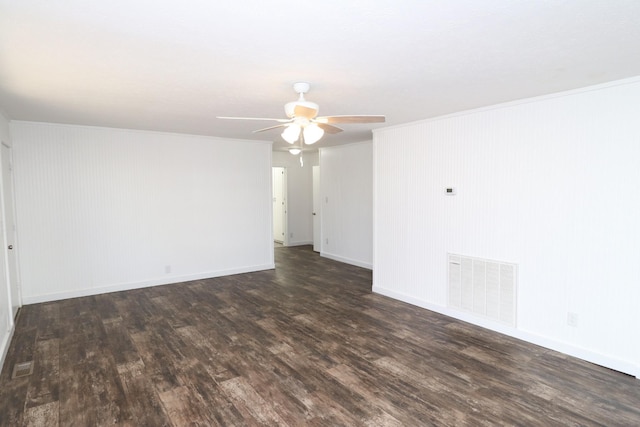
point(483, 287)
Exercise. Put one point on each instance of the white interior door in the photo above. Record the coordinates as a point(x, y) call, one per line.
point(10, 228)
point(317, 239)
point(279, 205)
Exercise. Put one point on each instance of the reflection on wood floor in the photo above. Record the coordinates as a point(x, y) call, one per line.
point(306, 344)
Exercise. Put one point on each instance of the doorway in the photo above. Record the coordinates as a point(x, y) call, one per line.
point(279, 188)
point(10, 228)
point(317, 240)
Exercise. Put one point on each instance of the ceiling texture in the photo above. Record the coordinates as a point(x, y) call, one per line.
point(172, 66)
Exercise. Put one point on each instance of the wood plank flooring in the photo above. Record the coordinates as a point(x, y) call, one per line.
point(305, 344)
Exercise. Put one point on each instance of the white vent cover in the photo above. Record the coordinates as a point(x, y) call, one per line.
point(483, 287)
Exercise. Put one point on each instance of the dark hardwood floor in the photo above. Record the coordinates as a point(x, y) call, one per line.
point(306, 344)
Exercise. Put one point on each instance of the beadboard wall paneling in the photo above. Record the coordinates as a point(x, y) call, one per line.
point(6, 312)
point(551, 184)
point(346, 188)
point(106, 209)
point(300, 194)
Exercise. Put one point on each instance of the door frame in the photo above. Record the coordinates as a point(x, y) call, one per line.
point(317, 209)
point(9, 237)
point(285, 207)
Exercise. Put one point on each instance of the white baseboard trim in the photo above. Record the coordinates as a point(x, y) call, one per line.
point(36, 299)
point(569, 349)
point(357, 263)
point(4, 346)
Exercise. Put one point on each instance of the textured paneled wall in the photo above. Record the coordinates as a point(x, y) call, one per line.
point(551, 184)
point(346, 188)
point(105, 209)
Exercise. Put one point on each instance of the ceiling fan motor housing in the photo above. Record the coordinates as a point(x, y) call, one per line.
point(301, 88)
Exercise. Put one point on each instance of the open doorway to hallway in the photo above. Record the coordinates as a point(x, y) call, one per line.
point(279, 188)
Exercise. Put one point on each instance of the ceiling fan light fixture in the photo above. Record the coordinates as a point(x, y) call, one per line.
point(295, 151)
point(291, 133)
point(302, 122)
point(312, 134)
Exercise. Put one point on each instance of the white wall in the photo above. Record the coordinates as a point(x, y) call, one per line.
point(346, 188)
point(299, 193)
point(108, 209)
point(552, 184)
point(6, 314)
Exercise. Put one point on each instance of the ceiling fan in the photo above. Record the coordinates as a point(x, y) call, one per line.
point(303, 124)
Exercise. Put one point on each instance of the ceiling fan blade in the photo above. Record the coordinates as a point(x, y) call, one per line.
point(351, 119)
point(254, 118)
point(306, 112)
point(269, 128)
point(328, 128)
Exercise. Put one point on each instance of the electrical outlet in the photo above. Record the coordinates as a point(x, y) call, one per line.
point(167, 269)
point(326, 241)
point(291, 235)
point(572, 320)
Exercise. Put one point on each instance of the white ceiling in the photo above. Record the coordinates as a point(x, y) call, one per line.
point(174, 66)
